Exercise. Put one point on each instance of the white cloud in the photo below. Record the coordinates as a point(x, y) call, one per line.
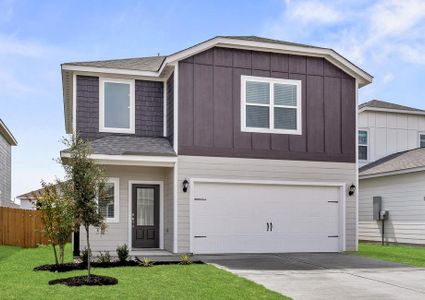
point(10, 45)
point(388, 77)
point(360, 30)
point(11, 86)
point(314, 12)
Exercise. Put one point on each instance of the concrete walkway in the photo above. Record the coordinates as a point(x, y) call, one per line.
point(326, 275)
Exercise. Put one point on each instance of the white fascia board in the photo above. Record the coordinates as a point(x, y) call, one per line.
point(131, 160)
point(389, 110)
point(74, 68)
point(392, 173)
point(363, 77)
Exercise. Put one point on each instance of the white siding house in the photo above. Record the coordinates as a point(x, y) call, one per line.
point(6, 142)
point(392, 166)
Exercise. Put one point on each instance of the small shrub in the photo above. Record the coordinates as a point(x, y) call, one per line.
point(84, 255)
point(185, 259)
point(146, 262)
point(122, 252)
point(104, 257)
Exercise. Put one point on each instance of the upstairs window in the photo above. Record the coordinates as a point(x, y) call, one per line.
point(270, 105)
point(116, 107)
point(108, 206)
point(363, 143)
point(422, 140)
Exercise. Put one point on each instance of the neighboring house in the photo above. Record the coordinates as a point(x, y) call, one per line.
point(28, 201)
point(392, 159)
point(236, 144)
point(6, 142)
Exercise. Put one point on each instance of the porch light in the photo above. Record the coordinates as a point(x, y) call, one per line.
point(185, 185)
point(352, 190)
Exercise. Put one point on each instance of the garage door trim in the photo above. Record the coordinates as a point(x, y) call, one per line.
point(340, 185)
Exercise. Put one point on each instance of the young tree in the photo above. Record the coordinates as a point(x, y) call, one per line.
point(57, 216)
point(87, 184)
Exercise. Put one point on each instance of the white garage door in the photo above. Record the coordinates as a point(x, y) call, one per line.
point(248, 218)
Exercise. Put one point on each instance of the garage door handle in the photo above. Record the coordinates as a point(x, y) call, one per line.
point(271, 226)
point(268, 226)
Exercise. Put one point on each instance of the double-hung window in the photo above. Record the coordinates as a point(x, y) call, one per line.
point(422, 139)
point(363, 143)
point(109, 204)
point(270, 105)
point(116, 105)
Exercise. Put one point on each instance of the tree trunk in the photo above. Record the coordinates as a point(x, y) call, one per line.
point(56, 254)
point(61, 253)
point(88, 252)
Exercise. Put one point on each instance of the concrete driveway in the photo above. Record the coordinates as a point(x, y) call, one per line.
point(326, 275)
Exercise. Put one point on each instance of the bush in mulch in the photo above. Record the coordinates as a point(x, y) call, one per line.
point(82, 266)
point(84, 280)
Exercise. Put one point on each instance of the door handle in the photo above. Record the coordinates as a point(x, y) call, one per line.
point(271, 226)
point(132, 219)
point(268, 226)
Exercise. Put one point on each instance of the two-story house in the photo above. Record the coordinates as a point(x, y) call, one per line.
point(391, 147)
point(6, 142)
point(236, 144)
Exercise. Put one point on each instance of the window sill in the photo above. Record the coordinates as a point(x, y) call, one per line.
point(274, 131)
point(117, 130)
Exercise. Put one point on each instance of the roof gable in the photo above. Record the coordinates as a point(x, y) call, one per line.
point(5, 132)
point(379, 105)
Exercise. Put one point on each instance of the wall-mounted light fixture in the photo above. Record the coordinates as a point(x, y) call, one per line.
point(185, 185)
point(352, 190)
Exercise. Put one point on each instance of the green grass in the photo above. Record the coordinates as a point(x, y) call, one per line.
point(18, 281)
point(410, 255)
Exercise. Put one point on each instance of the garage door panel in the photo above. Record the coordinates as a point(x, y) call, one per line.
point(232, 218)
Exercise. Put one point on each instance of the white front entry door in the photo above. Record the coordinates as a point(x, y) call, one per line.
point(255, 218)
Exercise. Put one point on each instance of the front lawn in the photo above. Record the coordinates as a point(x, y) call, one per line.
point(396, 253)
point(18, 281)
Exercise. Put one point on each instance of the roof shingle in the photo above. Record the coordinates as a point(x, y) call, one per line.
point(400, 161)
point(388, 105)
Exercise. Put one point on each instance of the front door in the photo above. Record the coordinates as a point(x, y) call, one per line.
point(145, 216)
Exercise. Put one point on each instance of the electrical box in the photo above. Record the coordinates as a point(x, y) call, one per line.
point(377, 206)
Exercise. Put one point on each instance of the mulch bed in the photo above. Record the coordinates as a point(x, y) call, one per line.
point(84, 280)
point(82, 266)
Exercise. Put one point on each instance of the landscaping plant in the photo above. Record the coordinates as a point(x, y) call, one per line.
point(146, 262)
point(104, 258)
point(122, 252)
point(87, 185)
point(57, 216)
point(185, 259)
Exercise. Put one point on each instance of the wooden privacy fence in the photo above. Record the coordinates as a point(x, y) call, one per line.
point(21, 227)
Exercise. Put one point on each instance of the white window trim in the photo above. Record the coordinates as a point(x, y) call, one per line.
point(116, 182)
point(102, 127)
point(271, 128)
point(419, 138)
point(366, 145)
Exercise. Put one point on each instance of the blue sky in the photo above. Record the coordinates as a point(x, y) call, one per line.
point(386, 38)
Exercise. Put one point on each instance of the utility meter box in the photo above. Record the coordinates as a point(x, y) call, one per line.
point(377, 206)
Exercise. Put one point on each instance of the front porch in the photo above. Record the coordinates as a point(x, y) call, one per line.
point(141, 215)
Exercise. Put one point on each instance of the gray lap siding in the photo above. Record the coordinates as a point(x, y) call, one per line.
point(5, 170)
point(149, 108)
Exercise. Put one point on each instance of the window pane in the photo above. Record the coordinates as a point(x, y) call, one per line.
point(257, 116)
point(362, 137)
point(117, 105)
point(145, 207)
point(285, 94)
point(285, 118)
point(363, 152)
point(106, 205)
point(422, 139)
point(257, 92)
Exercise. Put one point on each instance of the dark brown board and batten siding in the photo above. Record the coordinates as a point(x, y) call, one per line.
point(209, 107)
point(149, 103)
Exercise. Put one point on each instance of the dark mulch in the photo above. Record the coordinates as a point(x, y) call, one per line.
point(84, 280)
point(82, 266)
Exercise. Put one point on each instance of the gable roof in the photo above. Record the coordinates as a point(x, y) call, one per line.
point(5, 132)
point(400, 162)
point(379, 105)
point(159, 66)
point(150, 63)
